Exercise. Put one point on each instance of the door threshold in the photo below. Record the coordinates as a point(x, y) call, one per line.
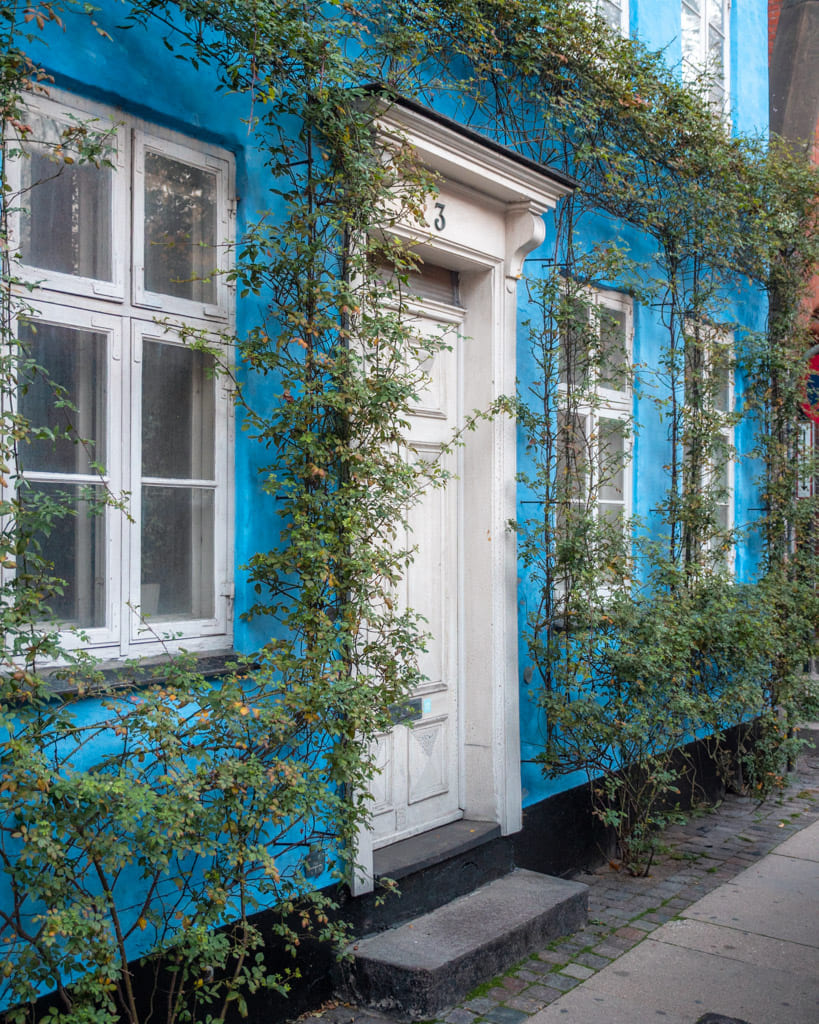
point(426, 849)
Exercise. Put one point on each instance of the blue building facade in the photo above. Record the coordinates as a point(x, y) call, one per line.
point(167, 428)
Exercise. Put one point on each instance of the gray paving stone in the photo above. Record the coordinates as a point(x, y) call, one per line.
point(661, 918)
point(619, 915)
point(609, 950)
point(539, 968)
point(592, 960)
point(525, 1003)
point(527, 974)
point(562, 981)
point(554, 956)
point(479, 1005)
point(459, 1016)
point(575, 970)
point(506, 1015)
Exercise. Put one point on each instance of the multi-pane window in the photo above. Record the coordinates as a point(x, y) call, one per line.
point(705, 46)
point(805, 481)
point(118, 375)
point(593, 470)
point(709, 387)
point(722, 468)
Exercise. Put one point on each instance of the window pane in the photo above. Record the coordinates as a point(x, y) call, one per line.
point(177, 553)
point(611, 458)
point(716, 47)
point(716, 14)
point(722, 385)
point(716, 95)
point(613, 350)
point(611, 512)
point(180, 229)
point(66, 225)
point(572, 456)
point(571, 524)
point(424, 281)
point(722, 478)
point(612, 12)
point(691, 36)
point(72, 546)
point(63, 391)
point(177, 412)
point(716, 66)
point(574, 342)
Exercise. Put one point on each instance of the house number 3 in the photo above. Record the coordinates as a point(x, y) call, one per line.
point(440, 220)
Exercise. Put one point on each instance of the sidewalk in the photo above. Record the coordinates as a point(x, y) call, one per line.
point(727, 923)
point(749, 950)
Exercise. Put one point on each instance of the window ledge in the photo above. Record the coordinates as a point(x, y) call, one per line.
point(147, 672)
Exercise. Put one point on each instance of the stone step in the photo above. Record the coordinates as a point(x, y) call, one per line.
point(425, 965)
point(431, 869)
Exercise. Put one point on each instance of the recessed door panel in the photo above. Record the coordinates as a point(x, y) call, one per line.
point(418, 784)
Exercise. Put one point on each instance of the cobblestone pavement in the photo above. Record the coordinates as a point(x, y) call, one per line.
point(711, 848)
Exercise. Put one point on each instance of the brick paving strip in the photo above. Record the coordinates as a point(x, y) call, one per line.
point(712, 847)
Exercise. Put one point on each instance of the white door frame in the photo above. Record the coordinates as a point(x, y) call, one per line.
point(493, 206)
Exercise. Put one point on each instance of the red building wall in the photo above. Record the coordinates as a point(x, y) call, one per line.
point(774, 7)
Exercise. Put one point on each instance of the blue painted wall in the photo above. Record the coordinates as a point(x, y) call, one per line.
point(133, 72)
point(657, 24)
point(749, 67)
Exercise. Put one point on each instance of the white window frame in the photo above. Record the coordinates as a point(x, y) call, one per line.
point(205, 159)
point(217, 624)
point(67, 110)
point(113, 479)
point(717, 339)
point(805, 481)
point(696, 52)
point(724, 341)
point(604, 403)
point(123, 311)
point(601, 8)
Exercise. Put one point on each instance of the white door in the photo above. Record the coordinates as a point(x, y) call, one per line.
point(417, 787)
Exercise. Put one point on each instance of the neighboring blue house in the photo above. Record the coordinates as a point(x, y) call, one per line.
point(198, 510)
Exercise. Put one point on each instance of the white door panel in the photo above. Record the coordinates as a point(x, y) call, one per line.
point(418, 783)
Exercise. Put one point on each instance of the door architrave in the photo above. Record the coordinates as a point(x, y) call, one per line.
point(495, 203)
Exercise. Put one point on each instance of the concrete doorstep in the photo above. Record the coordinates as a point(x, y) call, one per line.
point(427, 964)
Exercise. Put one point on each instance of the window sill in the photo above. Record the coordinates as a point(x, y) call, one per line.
point(147, 672)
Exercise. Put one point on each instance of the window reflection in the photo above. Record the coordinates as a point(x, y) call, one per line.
point(180, 229)
point(178, 408)
point(63, 393)
point(177, 552)
point(66, 225)
point(72, 548)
